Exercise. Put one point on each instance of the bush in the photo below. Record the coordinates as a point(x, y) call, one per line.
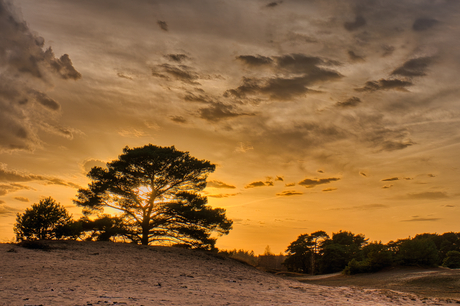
point(452, 260)
point(46, 220)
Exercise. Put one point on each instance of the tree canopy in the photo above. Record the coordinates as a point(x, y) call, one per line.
point(44, 220)
point(157, 190)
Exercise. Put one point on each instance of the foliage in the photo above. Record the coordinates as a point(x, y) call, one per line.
point(417, 252)
point(46, 220)
point(452, 260)
point(303, 252)
point(376, 257)
point(156, 190)
point(242, 255)
point(104, 228)
point(340, 250)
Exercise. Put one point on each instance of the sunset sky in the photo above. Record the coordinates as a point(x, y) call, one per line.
point(320, 115)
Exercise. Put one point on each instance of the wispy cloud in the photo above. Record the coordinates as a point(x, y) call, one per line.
point(288, 193)
point(219, 184)
point(310, 183)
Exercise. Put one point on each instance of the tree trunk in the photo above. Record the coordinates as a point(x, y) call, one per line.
point(145, 233)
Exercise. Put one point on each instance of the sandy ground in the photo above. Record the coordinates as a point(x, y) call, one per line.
point(104, 273)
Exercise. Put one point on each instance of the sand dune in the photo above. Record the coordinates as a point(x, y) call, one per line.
point(104, 273)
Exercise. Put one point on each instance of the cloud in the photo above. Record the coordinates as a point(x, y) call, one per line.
point(7, 188)
point(178, 58)
point(429, 195)
point(420, 219)
point(22, 199)
point(362, 174)
point(259, 184)
point(279, 179)
point(219, 184)
point(385, 84)
point(255, 61)
point(15, 176)
point(359, 22)
point(414, 67)
point(220, 196)
point(178, 119)
point(387, 186)
point(363, 207)
point(90, 163)
point(390, 179)
point(289, 184)
point(6, 211)
point(310, 183)
point(218, 111)
point(288, 193)
point(27, 69)
point(355, 57)
point(181, 73)
point(350, 102)
point(123, 76)
point(329, 189)
point(298, 72)
point(163, 25)
point(423, 24)
point(274, 4)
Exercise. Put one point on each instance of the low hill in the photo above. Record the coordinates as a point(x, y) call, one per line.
point(105, 273)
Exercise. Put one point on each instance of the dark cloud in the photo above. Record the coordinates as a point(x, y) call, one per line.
point(363, 207)
point(429, 195)
point(181, 73)
point(420, 219)
point(355, 57)
point(279, 179)
point(178, 119)
point(299, 71)
point(255, 61)
point(219, 184)
point(89, 164)
point(274, 4)
point(388, 50)
point(329, 189)
point(350, 102)
point(7, 188)
point(387, 186)
point(178, 58)
point(218, 111)
point(258, 184)
point(27, 68)
point(6, 211)
point(359, 22)
point(202, 98)
point(15, 176)
point(385, 139)
point(22, 199)
point(423, 24)
point(310, 183)
point(362, 174)
point(289, 184)
point(123, 76)
point(385, 84)
point(163, 25)
point(414, 67)
point(288, 193)
point(390, 179)
point(320, 171)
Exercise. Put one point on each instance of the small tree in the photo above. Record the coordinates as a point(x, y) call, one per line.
point(46, 220)
point(157, 191)
point(452, 260)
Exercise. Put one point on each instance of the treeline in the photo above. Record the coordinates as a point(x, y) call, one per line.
point(317, 253)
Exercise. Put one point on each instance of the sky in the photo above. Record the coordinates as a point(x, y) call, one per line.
point(320, 115)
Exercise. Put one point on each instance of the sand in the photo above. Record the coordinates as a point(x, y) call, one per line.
point(105, 273)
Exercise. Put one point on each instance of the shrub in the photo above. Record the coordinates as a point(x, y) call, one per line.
point(452, 260)
point(46, 220)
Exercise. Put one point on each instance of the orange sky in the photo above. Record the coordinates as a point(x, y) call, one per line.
point(320, 115)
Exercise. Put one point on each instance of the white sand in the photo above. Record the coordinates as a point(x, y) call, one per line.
point(104, 273)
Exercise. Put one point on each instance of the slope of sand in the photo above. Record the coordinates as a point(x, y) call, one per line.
point(105, 273)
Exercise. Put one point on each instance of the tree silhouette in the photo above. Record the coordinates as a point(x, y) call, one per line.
point(46, 220)
point(157, 191)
